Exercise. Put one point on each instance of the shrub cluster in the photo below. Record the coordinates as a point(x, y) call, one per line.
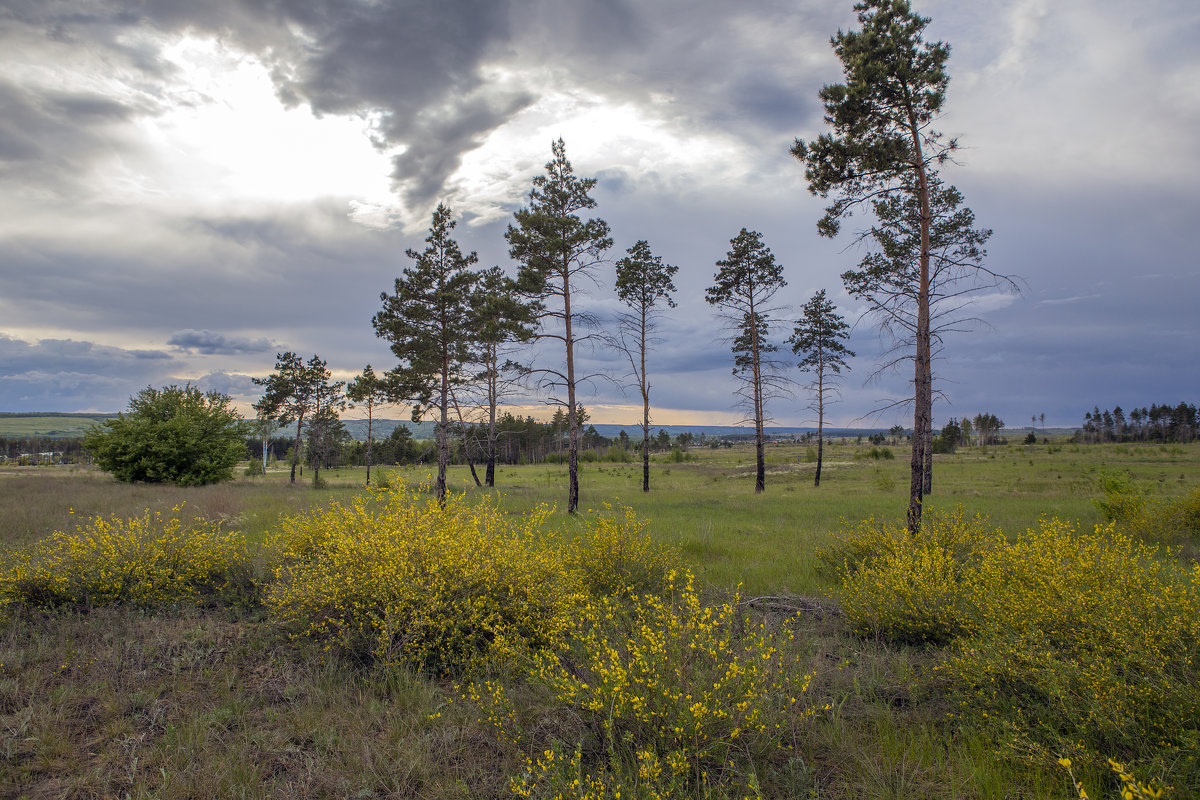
point(1173, 522)
point(678, 699)
point(1093, 638)
point(907, 588)
point(1061, 641)
point(396, 577)
point(156, 559)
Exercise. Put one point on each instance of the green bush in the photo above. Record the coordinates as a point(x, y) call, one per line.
point(171, 435)
point(1171, 522)
point(1123, 498)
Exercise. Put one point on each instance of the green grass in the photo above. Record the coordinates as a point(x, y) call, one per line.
point(215, 703)
point(706, 507)
point(53, 426)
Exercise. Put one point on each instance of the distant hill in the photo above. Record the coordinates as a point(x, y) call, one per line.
point(48, 425)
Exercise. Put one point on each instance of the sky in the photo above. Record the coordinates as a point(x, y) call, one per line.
point(189, 188)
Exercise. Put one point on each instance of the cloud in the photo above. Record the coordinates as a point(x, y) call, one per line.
point(1060, 301)
point(64, 374)
point(233, 384)
point(210, 343)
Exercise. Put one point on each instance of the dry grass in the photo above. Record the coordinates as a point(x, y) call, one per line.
point(114, 703)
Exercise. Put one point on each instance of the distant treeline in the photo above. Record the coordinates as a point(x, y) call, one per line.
point(1157, 423)
point(38, 449)
point(519, 440)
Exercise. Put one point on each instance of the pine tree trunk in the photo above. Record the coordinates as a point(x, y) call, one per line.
point(490, 473)
point(922, 384)
point(645, 386)
point(443, 424)
point(928, 473)
point(645, 439)
point(820, 424)
point(369, 418)
point(296, 447)
point(462, 426)
point(760, 477)
point(572, 417)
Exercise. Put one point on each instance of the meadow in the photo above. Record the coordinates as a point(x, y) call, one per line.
point(211, 698)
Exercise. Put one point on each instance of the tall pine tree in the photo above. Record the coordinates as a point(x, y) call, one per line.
point(427, 320)
point(558, 250)
point(742, 289)
point(883, 143)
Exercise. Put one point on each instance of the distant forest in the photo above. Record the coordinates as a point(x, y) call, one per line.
point(1157, 423)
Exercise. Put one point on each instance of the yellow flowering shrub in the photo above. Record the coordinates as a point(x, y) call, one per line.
point(1172, 522)
point(905, 587)
point(1129, 788)
point(679, 699)
point(615, 555)
point(910, 594)
point(1084, 643)
point(153, 560)
point(1062, 642)
point(394, 576)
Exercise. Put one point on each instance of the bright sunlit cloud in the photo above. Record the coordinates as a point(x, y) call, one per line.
point(227, 138)
point(631, 140)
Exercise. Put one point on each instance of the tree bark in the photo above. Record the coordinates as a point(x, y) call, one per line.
point(369, 419)
point(296, 447)
point(645, 410)
point(443, 424)
point(572, 417)
point(462, 424)
point(760, 477)
point(922, 388)
point(490, 473)
point(820, 422)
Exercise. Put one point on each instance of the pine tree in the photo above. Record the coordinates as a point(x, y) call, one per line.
point(819, 341)
point(427, 320)
point(642, 281)
point(557, 250)
point(500, 320)
point(292, 393)
point(882, 143)
point(371, 391)
point(743, 286)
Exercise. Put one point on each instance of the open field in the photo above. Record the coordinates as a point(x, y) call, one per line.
point(706, 507)
point(62, 426)
point(215, 702)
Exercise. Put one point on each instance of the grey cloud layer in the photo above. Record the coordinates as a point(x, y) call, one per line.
point(422, 66)
point(225, 287)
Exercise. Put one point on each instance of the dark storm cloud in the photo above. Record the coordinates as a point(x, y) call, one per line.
point(68, 375)
point(283, 268)
point(1107, 253)
point(66, 355)
point(212, 343)
point(421, 66)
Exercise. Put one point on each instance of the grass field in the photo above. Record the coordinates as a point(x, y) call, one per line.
point(215, 703)
point(64, 426)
